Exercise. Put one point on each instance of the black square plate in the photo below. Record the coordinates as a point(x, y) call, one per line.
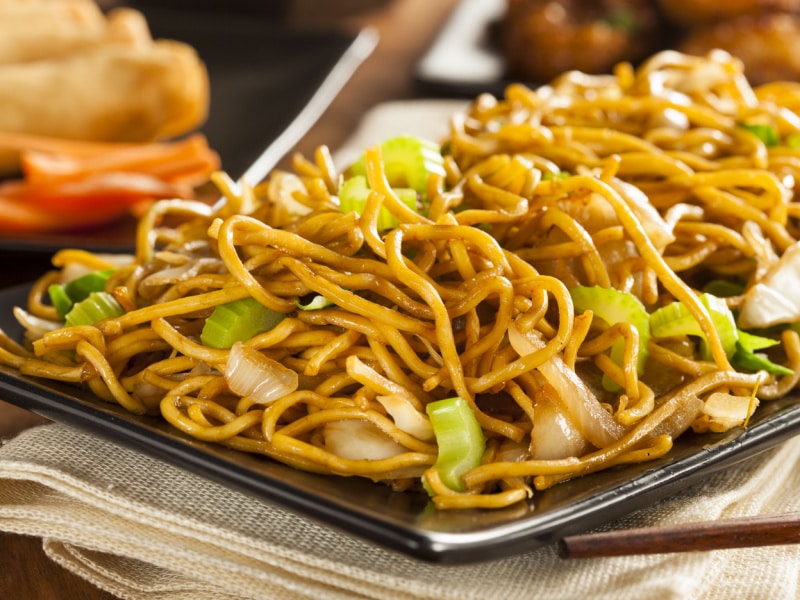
point(407, 522)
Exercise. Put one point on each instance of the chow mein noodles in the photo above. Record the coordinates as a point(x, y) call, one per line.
point(576, 276)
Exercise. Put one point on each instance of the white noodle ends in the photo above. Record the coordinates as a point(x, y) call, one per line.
point(722, 412)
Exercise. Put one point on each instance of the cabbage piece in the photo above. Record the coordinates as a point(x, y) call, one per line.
point(775, 299)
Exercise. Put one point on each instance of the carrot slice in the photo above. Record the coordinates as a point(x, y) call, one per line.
point(18, 216)
point(10, 140)
point(94, 192)
point(72, 184)
point(186, 160)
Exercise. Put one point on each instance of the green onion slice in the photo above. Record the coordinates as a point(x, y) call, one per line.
point(96, 307)
point(764, 132)
point(318, 302)
point(614, 306)
point(459, 437)
point(408, 161)
point(675, 319)
point(747, 356)
point(64, 296)
point(353, 195)
point(238, 321)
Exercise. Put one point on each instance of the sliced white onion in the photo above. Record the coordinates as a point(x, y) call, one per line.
point(593, 212)
point(366, 375)
point(590, 418)
point(250, 373)
point(73, 270)
point(554, 436)
point(356, 439)
point(283, 185)
point(35, 327)
point(149, 393)
point(776, 298)
point(657, 229)
point(406, 417)
point(764, 306)
point(190, 268)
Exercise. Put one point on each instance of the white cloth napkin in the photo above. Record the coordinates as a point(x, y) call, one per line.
point(140, 528)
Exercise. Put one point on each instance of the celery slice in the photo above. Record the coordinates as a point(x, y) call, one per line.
point(740, 346)
point(79, 289)
point(353, 196)
point(64, 296)
point(408, 161)
point(238, 321)
point(93, 309)
point(60, 300)
point(459, 437)
point(675, 319)
point(614, 306)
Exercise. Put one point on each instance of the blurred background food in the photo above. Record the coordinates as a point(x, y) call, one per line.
point(541, 38)
point(768, 44)
point(70, 70)
point(92, 111)
point(692, 13)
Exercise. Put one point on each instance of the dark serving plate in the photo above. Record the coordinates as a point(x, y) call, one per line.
point(269, 83)
point(407, 522)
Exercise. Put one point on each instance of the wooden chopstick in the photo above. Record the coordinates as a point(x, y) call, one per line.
point(742, 532)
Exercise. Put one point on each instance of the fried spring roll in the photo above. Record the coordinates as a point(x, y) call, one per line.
point(40, 29)
point(123, 93)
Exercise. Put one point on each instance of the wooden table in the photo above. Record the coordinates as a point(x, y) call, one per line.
point(405, 29)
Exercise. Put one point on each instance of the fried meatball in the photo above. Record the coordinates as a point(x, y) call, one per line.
point(544, 38)
point(768, 45)
point(699, 12)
